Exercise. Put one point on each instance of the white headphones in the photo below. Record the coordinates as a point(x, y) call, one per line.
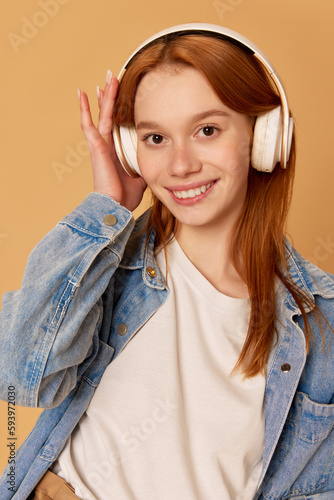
point(272, 131)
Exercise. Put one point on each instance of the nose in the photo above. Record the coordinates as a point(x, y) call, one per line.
point(184, 161)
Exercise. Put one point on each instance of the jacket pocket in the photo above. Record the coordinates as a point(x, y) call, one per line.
point(316, 420)
point(328, 495)
point(303, 464)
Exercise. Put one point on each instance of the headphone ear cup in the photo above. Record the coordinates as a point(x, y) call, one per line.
point(125, 140)
point(267, 140)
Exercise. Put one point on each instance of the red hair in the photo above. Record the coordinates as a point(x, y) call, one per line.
point(257, 249)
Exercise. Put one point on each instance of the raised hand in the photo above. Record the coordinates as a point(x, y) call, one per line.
point(108, 174)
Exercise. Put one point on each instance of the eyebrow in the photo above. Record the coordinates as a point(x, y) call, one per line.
point(199, 116)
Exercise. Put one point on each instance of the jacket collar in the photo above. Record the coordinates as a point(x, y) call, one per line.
point(139, 254)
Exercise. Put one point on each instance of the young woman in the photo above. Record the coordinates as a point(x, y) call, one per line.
point(219, 332)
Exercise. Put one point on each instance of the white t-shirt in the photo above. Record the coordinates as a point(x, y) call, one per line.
point(167, 419)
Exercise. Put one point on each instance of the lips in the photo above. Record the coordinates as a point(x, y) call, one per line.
point(191, 193)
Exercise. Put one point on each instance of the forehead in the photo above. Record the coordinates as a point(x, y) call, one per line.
point(179, 86)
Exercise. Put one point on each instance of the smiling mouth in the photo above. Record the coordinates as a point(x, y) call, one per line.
point(191, 193)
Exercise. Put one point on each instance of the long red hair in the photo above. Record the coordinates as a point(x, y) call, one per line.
point(257, 249)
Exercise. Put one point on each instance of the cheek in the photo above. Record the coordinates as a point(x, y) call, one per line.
point(234, 161)
point(148, 167)
point(142, 159)
point(240, 155)
point(244, 150)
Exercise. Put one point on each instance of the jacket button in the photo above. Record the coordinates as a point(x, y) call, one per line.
point(285, 367)
point(110, 220)
point(151, 272)
point(121, 329)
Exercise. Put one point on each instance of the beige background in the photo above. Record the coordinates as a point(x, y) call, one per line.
point(50, 47)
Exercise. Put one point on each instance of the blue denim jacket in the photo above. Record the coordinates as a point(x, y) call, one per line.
point(58, 333)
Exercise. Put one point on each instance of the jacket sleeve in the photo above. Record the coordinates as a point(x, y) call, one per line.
point(49, 327)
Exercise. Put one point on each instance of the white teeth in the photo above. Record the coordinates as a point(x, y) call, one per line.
point(192, 192)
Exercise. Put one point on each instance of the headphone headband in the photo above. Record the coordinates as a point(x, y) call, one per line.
point(236, 38)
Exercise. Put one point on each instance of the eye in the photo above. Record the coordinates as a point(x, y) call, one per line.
point(208, 130)
point(153, 138)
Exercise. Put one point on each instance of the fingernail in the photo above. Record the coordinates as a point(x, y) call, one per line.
point(109, 76)
point(98, 91)
point(79, 93)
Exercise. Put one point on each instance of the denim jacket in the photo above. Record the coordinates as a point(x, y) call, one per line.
point(88, 287)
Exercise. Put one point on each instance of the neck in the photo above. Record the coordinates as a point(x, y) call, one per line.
point(209, 251)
